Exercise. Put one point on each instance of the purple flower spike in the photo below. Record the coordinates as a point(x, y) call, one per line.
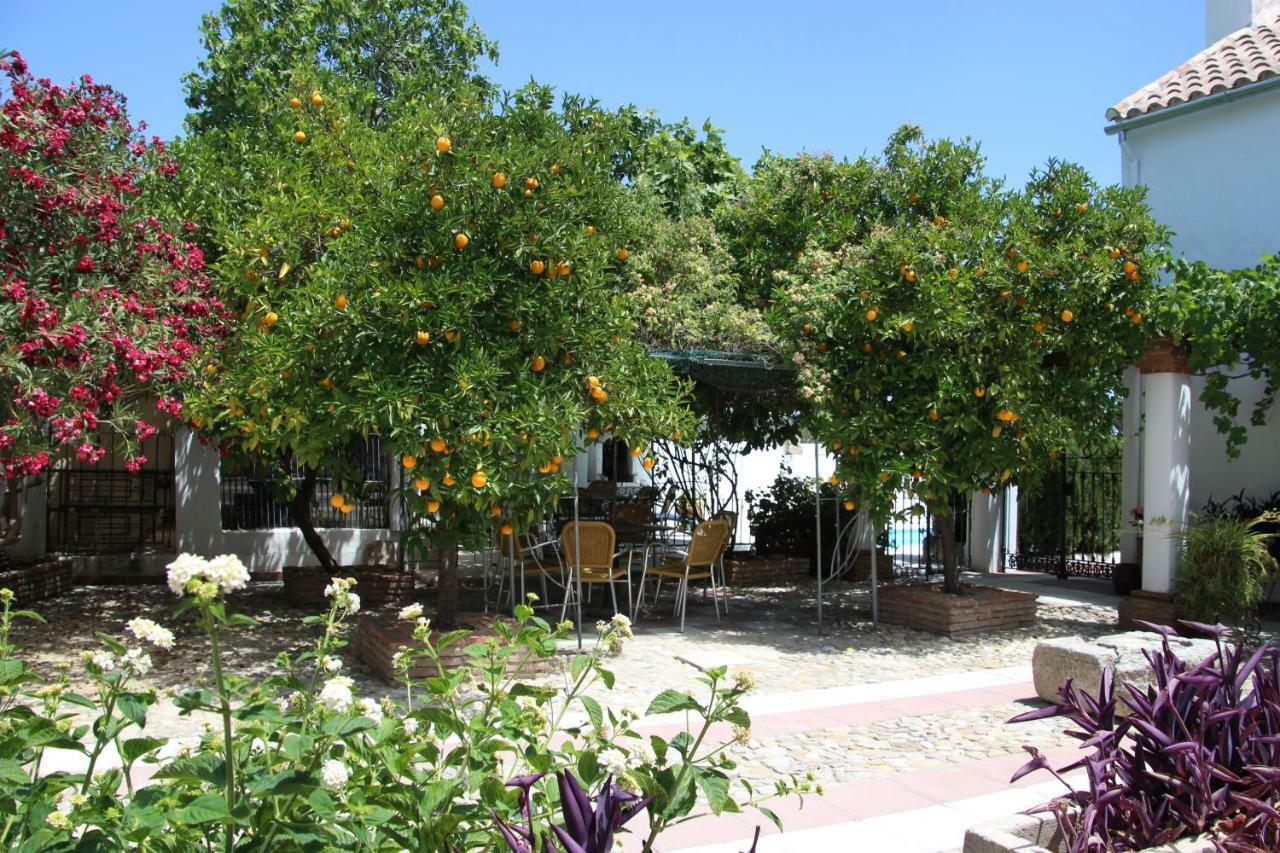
point(588, 829)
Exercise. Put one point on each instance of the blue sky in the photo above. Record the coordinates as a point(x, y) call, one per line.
point(1029, 79)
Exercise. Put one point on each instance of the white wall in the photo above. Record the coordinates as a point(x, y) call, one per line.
point(199, 519)
point(1213, 177)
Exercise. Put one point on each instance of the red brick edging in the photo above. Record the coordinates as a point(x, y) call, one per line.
point(981, 608)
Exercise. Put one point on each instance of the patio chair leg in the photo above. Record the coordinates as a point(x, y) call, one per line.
point(543, 575)
point(715, 593)
point(724, 586)
point(613, 594)
point(568, 597)
point(683, 600)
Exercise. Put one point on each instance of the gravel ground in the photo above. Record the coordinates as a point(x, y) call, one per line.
point(770, 631)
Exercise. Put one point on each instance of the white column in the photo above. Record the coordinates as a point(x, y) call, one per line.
point(984, 532)
point(197, 485)
point(1131, 464)
point(1166, 474)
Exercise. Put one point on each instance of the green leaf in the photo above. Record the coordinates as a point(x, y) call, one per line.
point(715, 787)
point(672, 700)
point(769, 813)
point(134, 748)
point(133, 707)
point(594, 711)
point(203, 809)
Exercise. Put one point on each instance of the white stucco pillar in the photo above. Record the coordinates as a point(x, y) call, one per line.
point(1131, 464)
point(197, 484)
point(984, 532)
point(1166, 473)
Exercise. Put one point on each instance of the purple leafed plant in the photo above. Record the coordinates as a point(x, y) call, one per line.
point(587, 828)
point(1199, 754)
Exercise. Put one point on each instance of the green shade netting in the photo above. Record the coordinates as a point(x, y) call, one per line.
point(728, 371)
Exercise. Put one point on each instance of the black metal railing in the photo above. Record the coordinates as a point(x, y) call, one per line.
point(105, 509)
point(255, 496)
point(914, 541)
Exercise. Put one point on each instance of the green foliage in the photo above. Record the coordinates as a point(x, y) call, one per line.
point(692, 175)
point(684, 292)
point(966, 334)
point(782, 518)
point(1227, 321)
point(392, 50)
point(302, 762)
point(1224, 563)
point(464, 304)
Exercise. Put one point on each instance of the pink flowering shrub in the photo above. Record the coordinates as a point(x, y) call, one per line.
point(101, 305)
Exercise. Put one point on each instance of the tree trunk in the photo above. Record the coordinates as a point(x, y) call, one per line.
point(447, 588)
point(301, 511)
point(945, 524)
point(13, 509)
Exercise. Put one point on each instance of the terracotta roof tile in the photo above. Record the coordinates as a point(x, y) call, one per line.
point(1248, 55)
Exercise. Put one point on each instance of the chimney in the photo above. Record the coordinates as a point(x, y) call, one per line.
point(1223, 17)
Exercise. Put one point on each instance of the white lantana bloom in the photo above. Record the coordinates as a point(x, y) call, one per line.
point(371, 709)
point(225, 572)
point(103, 660)
point(410, 726)
point(331, 664)
point(149, 631)
point(228, 572)
point(183, 569)
point(138, 661)
point(410, 613)
point(623, 625)
point(336, 694)
point(614, 761)
point(334, 773)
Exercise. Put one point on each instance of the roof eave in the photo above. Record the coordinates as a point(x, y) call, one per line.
point(1193, 106)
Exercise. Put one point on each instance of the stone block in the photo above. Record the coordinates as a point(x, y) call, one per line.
point(1082, 661)
point(1022, 833)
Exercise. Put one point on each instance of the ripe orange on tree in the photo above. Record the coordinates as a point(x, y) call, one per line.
point(499, 180)
point(300, 136)
point(409, 461)
point(443, 144)
point(479, 479)
point(340, 302)
point(317, 99)
point(460, 240)
point(537, 267)
point(437, 202)
point(422, 338)
point(438, 445)
point(538, 364)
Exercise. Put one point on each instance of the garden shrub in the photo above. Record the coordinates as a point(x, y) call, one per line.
point(472, 758)
point(1199, 753)
point(782, 517)
point(1225, 561)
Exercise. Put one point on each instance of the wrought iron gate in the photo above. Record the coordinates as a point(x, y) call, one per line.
point(1070, 522)
point(913, 540)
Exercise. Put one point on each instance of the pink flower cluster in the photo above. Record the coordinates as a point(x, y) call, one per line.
point(111, 305)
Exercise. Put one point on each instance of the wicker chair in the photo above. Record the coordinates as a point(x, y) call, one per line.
point(698, 563)
point(593, 564)
point(730, 518)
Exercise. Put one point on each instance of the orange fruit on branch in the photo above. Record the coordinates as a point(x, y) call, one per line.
point(537, 267)
point(409, 461)
point(295, 102)
point(337, 500)
point(271, 319)
point(1067, 316)
point(979, 392)
point(437, 202)
point(421, 484)
point(340, 302)
point(422, 338)
point(538, 364)
point(623, 254)
point(443, 144)
point(499, 180)
point(300, 136)
point(460, 240)
point(317, 99)
point(433, 506)
point(479, 479)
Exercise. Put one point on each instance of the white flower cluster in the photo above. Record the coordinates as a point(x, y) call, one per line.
point(336, 694)
point(411, 613)
point(221, 574)
point(370, 708)
point(334, 773)
point(148, 631)
point(137, 661)
point(339, 589)
point(331, 665)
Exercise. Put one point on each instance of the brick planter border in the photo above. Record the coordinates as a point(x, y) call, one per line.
point(378, 638)
point(980, 609)
point(1156, 607)
point(766, 570)
point(377, 586)
point(37, 581)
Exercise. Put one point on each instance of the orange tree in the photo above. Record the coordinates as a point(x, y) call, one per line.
point(965, 334)
point(448, 280)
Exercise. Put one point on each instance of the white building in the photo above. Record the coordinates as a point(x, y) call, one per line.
point(1205, 141)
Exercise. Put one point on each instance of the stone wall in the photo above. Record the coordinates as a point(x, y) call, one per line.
point(756, 570)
